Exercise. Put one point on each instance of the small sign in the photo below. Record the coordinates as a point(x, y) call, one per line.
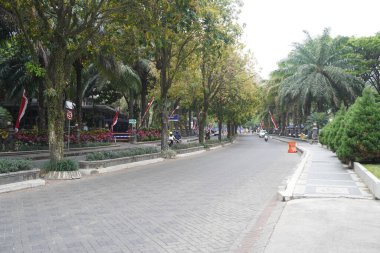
point(69, 115)
point(132, 121)
point(174, 117)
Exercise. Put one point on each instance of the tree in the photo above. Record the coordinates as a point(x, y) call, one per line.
point(361, 138)
point(368, 60)
point(58, 32)
point(170, 29)
point(317, 74)
point(219, 32)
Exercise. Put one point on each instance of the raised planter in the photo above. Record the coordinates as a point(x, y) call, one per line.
point(14, 181)
point(63, 175)
point(188, 150)
point(19, 176)
point(117, 161)
point(372, 182)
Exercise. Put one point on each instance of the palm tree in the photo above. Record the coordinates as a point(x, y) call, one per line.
point(316, 75)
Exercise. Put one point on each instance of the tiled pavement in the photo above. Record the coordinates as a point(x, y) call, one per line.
point(181, 205)
point(325, 176)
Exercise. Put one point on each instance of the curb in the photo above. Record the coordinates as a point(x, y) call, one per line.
point(372, 182)
point(21, 185)
point(287, 193)
point(119, 167)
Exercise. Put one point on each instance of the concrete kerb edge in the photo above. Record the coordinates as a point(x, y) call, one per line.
point(287, 193)
point(372, 182)
point(21, 185)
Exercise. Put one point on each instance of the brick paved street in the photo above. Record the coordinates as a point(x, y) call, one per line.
point(204, 203)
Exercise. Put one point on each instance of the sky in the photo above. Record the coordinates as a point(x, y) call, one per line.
point(273, 26)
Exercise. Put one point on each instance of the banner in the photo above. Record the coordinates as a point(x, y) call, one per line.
point(21, 112)
point(146, 110)
point(272, 118)
point(115, 119)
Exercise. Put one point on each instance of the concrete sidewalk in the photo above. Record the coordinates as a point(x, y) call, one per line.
point(331, 211)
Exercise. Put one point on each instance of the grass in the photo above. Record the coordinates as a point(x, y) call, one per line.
point(374, 169)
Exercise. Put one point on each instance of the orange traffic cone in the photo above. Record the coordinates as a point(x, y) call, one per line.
point(292, 147)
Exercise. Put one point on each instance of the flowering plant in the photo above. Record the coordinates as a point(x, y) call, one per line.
point(148, 134)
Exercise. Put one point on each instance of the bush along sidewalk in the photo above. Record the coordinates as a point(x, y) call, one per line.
point(14, 171)
point(105, 159)
point(64, 169)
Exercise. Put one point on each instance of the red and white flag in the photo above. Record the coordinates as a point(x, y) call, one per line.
point(272, 118)
point(114, 121)
point(21, 111)
point(146, 110)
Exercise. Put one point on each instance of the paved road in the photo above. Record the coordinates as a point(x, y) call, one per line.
point(216, 201)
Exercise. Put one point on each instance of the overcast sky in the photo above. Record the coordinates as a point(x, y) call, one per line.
point(272, 26)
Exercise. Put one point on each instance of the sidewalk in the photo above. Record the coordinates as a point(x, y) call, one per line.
point(331, 211)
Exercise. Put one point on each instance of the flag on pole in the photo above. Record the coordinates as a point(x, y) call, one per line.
point(146, 110)
point(272, 118)
point(21, 112)
point(114, 121)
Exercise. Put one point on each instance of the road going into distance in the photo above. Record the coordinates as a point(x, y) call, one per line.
point(222, 200)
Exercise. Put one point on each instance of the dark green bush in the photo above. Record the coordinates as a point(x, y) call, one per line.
point(11, 165)
point(177, 146)
point(117, 154)
point(332, 134)
point(63, 165)
point(361, 136)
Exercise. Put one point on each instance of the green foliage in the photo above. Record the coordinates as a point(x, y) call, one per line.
point(168, 154)
point(11, 165)
point(320, 118)
point(35, 70)
point(104, 155)
point(316, 73)
point(332, 134)
point(361, 140)
point(62, 165)
point(177, 146)
point(5, 116)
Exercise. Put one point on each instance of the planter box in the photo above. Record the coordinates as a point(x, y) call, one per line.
point(19, 176)
point(63, 175)
point(369, 179)
point(117, 161)
point(188, 150)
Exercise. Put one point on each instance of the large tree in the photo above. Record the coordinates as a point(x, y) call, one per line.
point(368, 62)
point(317, 75)
point(219, 32)
point(170, 29)
point(57, 32)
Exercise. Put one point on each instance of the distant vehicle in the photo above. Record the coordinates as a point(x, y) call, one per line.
point(262, 133)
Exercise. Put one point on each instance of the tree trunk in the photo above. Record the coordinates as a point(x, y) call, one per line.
point(78, 101)
point(55, 99)
point(164, 97)
point(41, 123)
point(220, 130)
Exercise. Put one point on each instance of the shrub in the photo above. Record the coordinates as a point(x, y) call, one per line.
point(332, 134)
point(177, 146)
point(5, 116)
point(63, 165)
point(12, 165)
point(168, 154)
point(117, 154)
point(361, 137)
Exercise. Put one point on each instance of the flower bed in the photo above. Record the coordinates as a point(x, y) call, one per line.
point(95, 135)
point(148, 134)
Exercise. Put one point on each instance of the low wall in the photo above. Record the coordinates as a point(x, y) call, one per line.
point(19, 176)
point(372, 182)
point(116, 161)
